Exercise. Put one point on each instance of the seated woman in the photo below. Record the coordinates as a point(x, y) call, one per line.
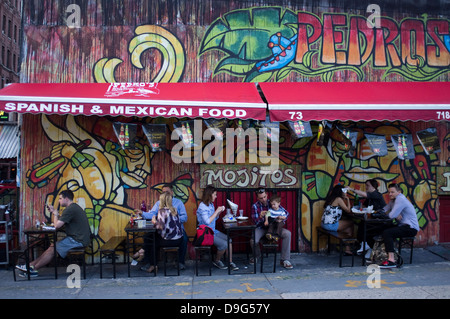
point(207, 215)
point(335, 203)
point(169, 233)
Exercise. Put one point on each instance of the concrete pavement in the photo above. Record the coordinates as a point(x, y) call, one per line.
point(314, 276)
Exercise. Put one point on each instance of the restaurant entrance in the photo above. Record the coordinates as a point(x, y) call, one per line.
point(246, 198)
point(444, 224)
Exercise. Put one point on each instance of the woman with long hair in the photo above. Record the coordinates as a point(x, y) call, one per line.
point(335, 204)
point(169, 233)
point(207, 215)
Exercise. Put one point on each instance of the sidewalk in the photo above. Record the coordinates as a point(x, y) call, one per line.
point(313, 276)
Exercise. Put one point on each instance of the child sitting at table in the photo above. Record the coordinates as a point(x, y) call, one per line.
point(275, 218)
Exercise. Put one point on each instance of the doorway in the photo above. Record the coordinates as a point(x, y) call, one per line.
point(246, 198)
point(444, 219)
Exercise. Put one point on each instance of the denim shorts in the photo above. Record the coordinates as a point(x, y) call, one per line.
point(330, 227)
point(66, 244)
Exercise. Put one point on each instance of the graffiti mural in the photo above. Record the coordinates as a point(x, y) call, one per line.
point(110, 182)
point(232, 43)
point(222, 41)
point(263, 44)
point(94, 166)
point(331, 164)
point(147, 37)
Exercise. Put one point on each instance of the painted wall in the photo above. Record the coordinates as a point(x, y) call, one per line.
point(200, 41)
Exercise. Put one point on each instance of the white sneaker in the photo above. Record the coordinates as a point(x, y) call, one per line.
point(368, 253)
point(23, 268)
point(360, 250)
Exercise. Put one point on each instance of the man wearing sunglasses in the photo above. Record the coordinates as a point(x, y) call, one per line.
point(259, 210)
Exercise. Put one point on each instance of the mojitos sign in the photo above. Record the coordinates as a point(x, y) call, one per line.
point(262, 44)
point(250, 176)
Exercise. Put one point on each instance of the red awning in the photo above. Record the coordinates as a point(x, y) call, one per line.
point(358, 101)
point(205, 100)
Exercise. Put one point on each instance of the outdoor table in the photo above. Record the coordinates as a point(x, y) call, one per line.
point(134, 232)
point(245, 228)
point(37, 233)
point(367, 223)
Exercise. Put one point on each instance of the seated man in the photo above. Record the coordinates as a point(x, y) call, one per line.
point(76, 226)
point(259, 210)
point(408, 225)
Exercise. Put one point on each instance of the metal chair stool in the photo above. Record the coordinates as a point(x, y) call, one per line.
point(408, 242)
point(78, 255)
point(109, 249)
point(199, 252)
point(166, 251)
point(267, 248)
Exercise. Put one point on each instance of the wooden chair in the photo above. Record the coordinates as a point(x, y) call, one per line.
point(343, 240)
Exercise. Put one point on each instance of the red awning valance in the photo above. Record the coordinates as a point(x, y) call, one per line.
point(358, 101)
point(204, 100)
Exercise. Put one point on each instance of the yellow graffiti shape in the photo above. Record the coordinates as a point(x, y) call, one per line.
point(156, 37)
point(147, 37)
point(104, 70)
point(248, 289)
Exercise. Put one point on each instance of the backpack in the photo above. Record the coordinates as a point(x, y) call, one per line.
point(379, 254)
point(204, 236)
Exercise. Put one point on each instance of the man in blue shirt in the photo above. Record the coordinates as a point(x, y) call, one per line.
point(408, 225)
point(181, 210)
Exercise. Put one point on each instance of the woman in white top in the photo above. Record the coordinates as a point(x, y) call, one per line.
point(335, 204)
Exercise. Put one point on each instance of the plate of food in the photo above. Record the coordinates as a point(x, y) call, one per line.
point(229, 219)
point(368, 210)
point(357, 211)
